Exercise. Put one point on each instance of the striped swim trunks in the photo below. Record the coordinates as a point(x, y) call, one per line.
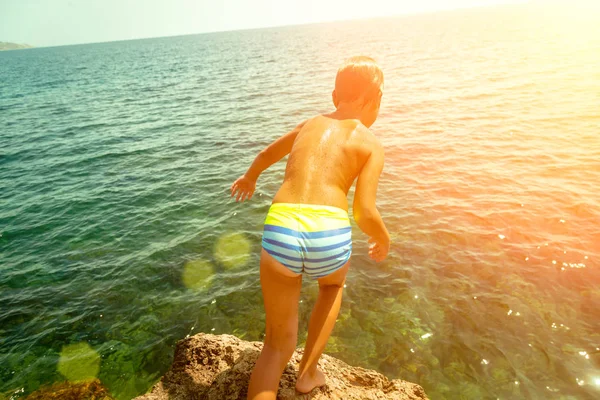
point(310, 238)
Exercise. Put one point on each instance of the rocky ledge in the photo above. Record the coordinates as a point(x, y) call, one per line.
point(218, 367)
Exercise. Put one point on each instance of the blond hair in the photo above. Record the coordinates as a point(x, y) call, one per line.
point(359, 76)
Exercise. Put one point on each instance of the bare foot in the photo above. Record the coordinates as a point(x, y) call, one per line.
point(307, 382)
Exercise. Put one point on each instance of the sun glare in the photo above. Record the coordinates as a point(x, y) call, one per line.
point(233, 250)
point(328, 10)
point(78, 362)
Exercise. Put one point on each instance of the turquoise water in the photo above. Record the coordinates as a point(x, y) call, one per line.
point(116, 158)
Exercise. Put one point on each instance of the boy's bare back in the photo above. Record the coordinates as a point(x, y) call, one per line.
point(328, 152)
point(326, 157)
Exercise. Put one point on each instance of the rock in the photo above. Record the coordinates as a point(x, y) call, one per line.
point(83, 390)
point(218, 367)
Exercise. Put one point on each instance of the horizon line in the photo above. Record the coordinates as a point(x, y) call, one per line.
point(409, 14)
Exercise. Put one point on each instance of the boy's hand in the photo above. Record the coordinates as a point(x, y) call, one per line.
point(377, 251)
point(243, 188)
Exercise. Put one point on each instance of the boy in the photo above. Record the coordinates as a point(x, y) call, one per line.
point(307, 227)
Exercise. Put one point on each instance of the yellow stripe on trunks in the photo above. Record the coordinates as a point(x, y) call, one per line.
point(307, 217)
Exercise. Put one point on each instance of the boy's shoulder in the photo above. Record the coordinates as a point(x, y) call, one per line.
point(368, 138)
point(362, 129)
point(353, 125)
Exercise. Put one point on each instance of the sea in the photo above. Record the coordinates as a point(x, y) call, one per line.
point(118, 235)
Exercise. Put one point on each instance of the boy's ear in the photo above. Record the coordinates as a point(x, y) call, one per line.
point(365, 103)
point(376, 102)
point(334, 98)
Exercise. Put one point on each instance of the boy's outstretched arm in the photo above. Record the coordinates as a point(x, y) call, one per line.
point(243, 187)
point(365, 212)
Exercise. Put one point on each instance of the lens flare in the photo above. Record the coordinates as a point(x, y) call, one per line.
point(233, 250)
point(78, 362)
point(197, 274)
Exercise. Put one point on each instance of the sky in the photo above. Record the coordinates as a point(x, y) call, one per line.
point(61, 22)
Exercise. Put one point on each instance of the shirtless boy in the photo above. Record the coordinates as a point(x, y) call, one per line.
point(307, 229)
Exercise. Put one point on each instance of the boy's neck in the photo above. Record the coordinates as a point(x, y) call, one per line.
point(347, 111)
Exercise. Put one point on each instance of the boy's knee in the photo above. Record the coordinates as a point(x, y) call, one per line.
point(283, 341)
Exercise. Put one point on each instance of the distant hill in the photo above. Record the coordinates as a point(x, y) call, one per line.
point(13, 46)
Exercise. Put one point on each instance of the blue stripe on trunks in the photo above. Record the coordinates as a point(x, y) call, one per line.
point(307, 235)
point(308, 248)
point(318, 260)
point(320, 268)
point(286, 263)
point(314, 246)
point(283, 252)
point(328, 271)
point(273, 250)
point(305, 260)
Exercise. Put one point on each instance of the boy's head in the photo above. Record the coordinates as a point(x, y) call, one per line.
point(359, 83)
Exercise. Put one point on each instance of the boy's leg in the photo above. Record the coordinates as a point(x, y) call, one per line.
point(321, 324)
point(281, 293)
